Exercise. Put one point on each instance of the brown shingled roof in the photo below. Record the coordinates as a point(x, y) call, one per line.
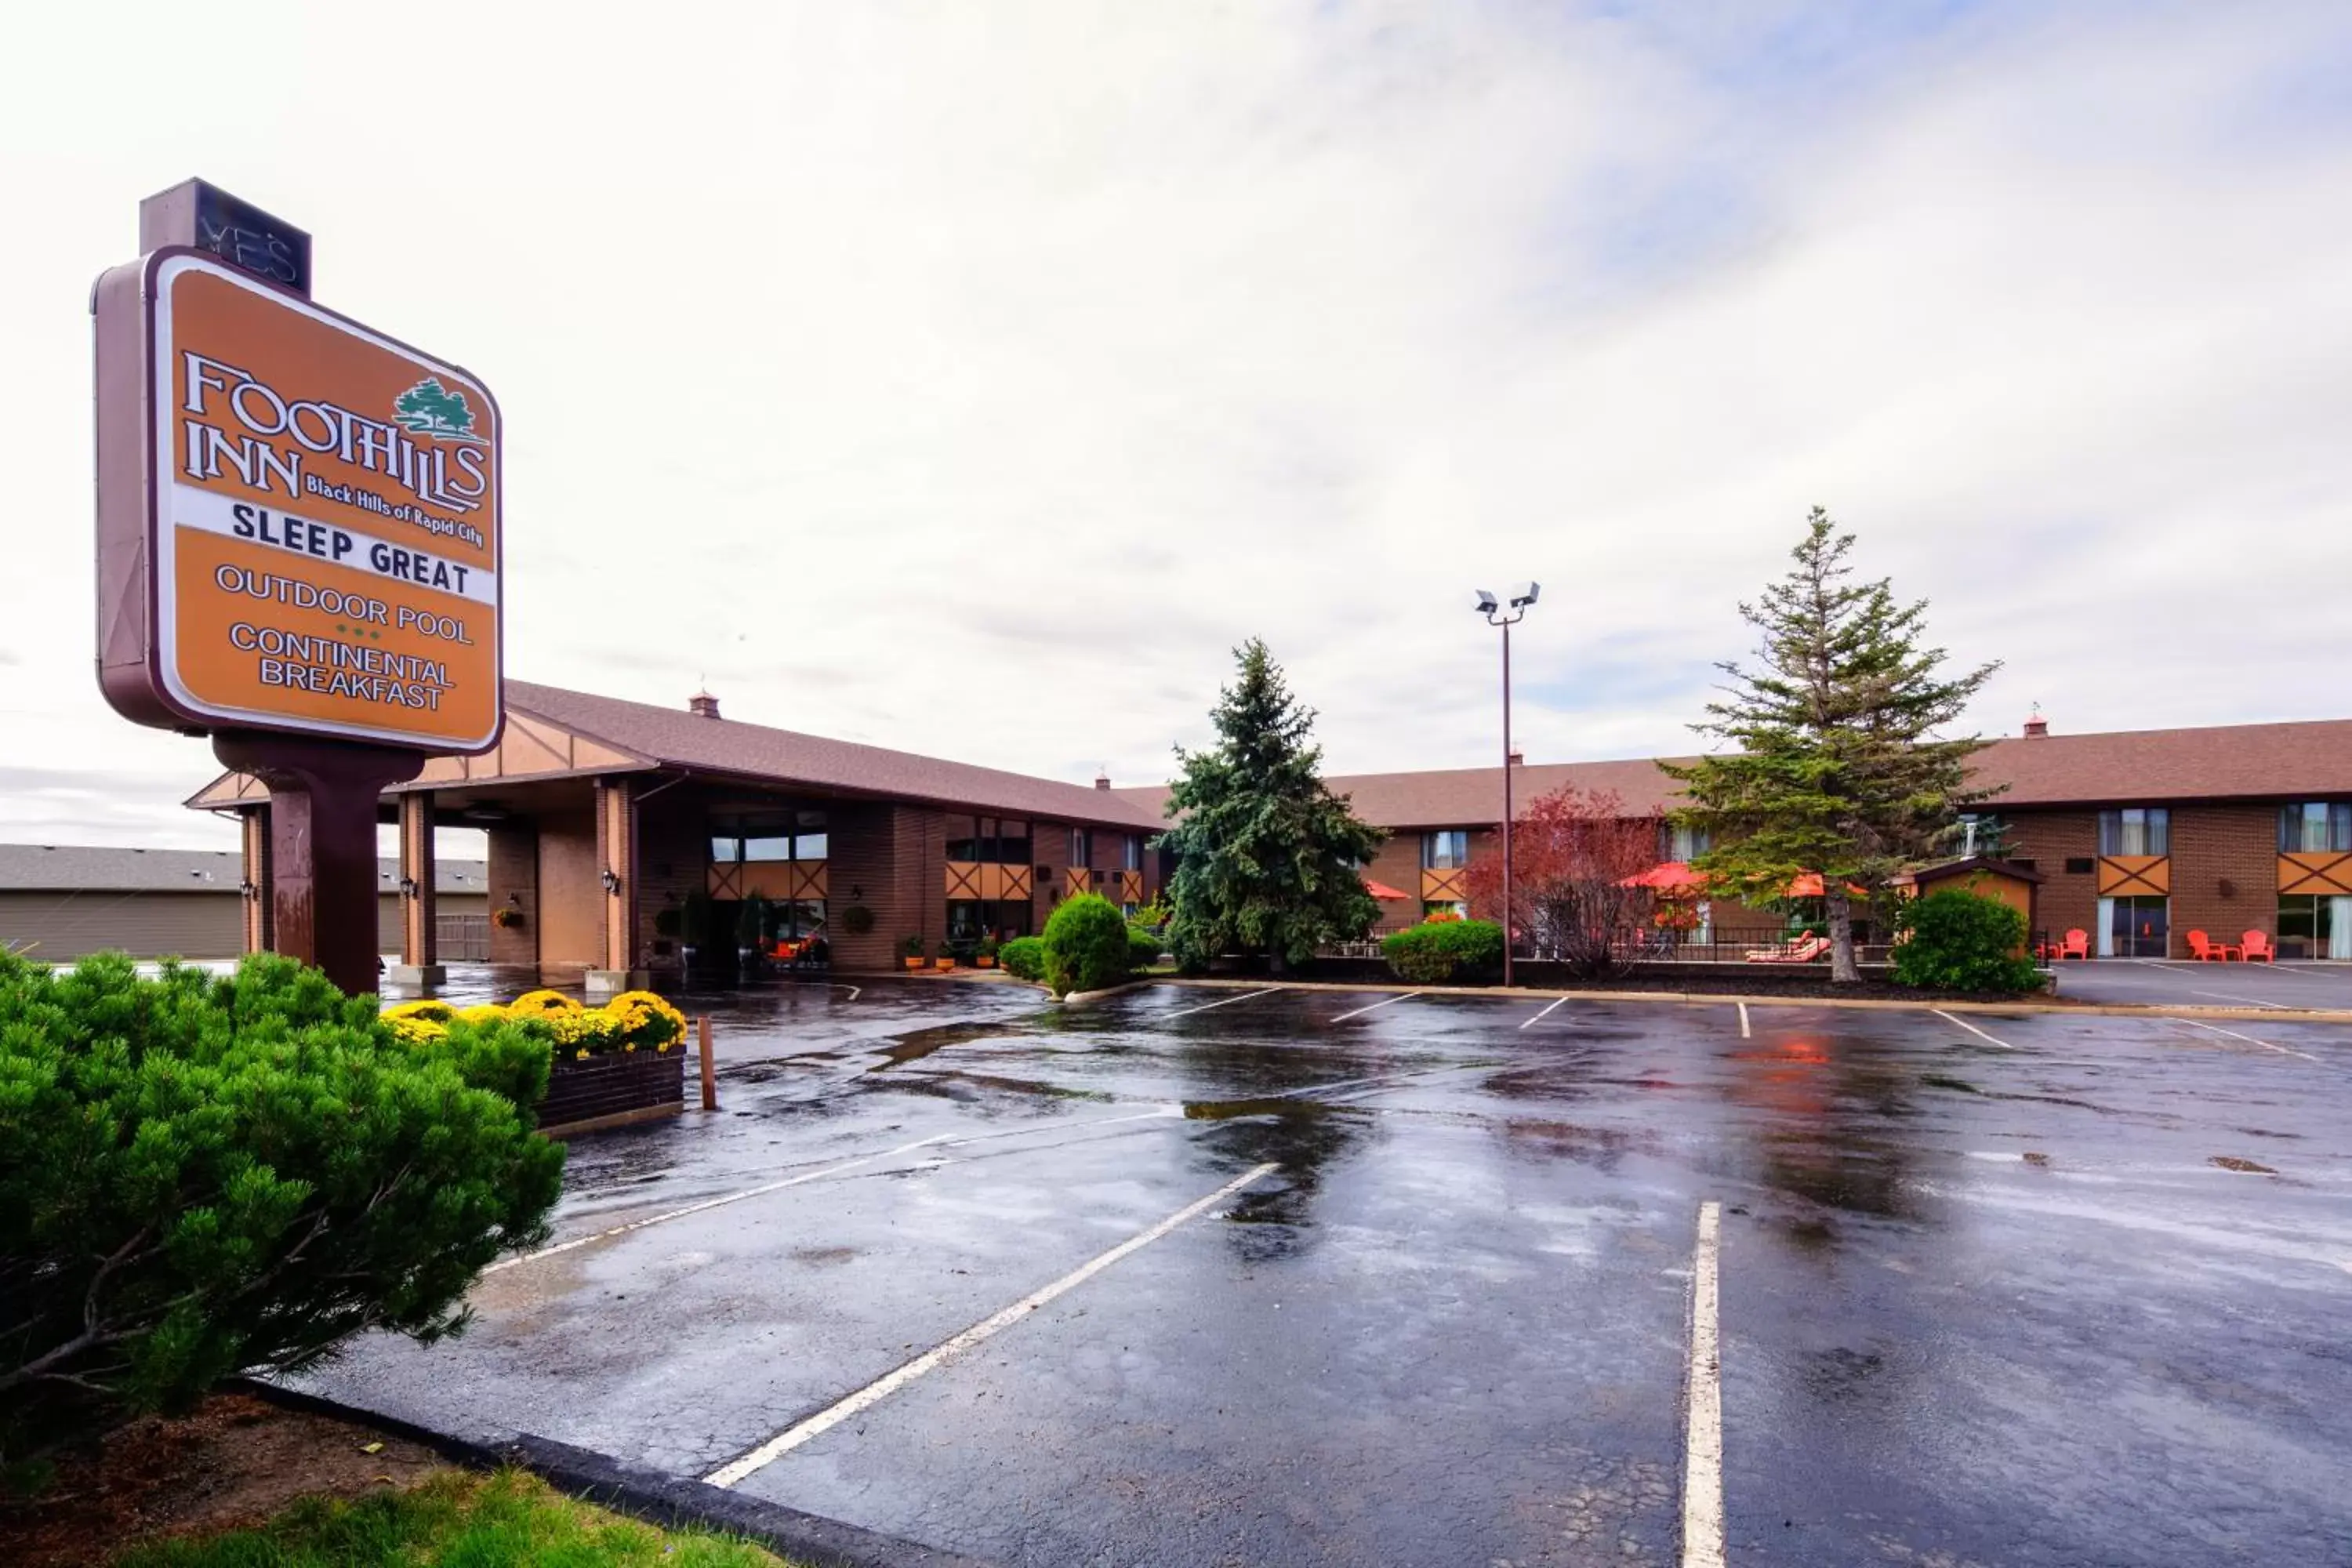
point(2241, 762)
point(677, 737)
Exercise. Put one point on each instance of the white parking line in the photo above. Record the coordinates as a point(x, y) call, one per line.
point(942, 1141)
point(890, 1383)
point(720, 1202)
point(1972, 1029)
point(1376, 1006)
point(2233, 1034)
point(1703, 1414)
point(1227, 1002)
point(1744, 1031)
point(1540, 1017)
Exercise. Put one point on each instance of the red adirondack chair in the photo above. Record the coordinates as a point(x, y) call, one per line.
point(2077, 946)
point(2258, 948)
point(2205, 949)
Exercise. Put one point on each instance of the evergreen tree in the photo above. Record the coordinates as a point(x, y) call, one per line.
point(1835, 768)
point(1267, 859)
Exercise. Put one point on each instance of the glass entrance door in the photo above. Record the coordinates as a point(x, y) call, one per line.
point(2138, 928)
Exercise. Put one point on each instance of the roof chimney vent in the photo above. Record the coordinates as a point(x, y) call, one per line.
point(702, 705)
point(1518, 759)
point(2036, 727)
point(1102, 780)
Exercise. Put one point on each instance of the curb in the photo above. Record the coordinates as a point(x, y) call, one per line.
point(1781, 999)
point(1077, 998)
point(670, 1500)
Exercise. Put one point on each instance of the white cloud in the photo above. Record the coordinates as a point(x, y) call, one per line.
point(969, 379)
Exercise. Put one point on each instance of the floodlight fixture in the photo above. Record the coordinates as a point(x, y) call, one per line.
point(1486, 604)
point(1524, 595)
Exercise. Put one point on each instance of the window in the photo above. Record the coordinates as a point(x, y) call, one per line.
point(2136, 830)
point(2315, 925)
point(969, 920)
point(1130, 852)
point(1082, 847)
point(1684, 843)
point(768, 838)
point(2315, 825)
point(2080, 865)
point(1447, 850)
point(990, 840)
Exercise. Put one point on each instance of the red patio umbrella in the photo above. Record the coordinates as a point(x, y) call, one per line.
point(1666, 876)
point(1382, 891)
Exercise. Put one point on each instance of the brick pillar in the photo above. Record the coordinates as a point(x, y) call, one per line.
point(514, 885)
point(253, 828)
point(616, 857)
point(420, 957)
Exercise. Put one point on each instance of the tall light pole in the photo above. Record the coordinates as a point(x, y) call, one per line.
point(1522, 596)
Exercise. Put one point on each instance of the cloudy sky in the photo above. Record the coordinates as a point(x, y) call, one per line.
point(970, 378)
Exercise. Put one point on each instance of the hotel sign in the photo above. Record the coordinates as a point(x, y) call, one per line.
point(298, 527)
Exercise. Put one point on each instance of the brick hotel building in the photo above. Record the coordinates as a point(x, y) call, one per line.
point(601, 814)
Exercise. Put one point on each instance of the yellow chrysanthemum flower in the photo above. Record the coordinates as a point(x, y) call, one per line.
point(537, 1002)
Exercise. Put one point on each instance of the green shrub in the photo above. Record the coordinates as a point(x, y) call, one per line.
point(1956, 940)
point(1143, 948)
point(202, 1176)
point(1024, 957)
point(1085, 945)
point(1442, 951)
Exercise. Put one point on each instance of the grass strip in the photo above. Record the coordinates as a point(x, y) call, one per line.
point(455, 1519)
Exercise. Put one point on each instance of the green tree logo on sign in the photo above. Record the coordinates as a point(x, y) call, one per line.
point(429, 408)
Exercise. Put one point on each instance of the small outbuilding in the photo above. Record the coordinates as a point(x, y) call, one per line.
point(1987, 876)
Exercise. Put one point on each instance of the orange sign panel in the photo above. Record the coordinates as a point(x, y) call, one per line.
point(317, 524)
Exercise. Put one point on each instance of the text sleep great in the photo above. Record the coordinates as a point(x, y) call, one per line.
point(324, 542)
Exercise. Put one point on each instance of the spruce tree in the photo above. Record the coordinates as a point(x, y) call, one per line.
point(1836, 767)
point(1267, 859)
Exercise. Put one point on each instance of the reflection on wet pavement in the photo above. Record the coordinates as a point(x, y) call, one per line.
point(1957, 1282)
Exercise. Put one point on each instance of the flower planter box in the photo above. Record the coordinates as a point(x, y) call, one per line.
point(612, 1089)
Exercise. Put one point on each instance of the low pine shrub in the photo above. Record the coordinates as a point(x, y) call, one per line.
point(1024, 957)
point(1441, 951)
point(1143, 948)
point(208, 1174)
point(1085, 945)
point(1956, 940)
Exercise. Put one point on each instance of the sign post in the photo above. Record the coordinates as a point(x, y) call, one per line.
point(299, 547)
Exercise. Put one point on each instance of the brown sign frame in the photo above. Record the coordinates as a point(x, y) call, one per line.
point(130, 512)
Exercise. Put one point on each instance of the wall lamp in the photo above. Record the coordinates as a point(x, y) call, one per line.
point(408, 887)
point(612, 880)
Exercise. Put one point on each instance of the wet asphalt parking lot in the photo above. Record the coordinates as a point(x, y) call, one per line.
point(1323, 1277)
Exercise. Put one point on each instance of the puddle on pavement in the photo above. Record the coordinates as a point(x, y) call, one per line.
point(921, 1043)
point(1603, 1148)
point(1262, 1105)
point(822, 1257)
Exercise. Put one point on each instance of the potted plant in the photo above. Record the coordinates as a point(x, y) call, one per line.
point(984, 955)
point(508, 917)
point(946, 959)
point(694, 926)
point(751, 925)
point(911, 951)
